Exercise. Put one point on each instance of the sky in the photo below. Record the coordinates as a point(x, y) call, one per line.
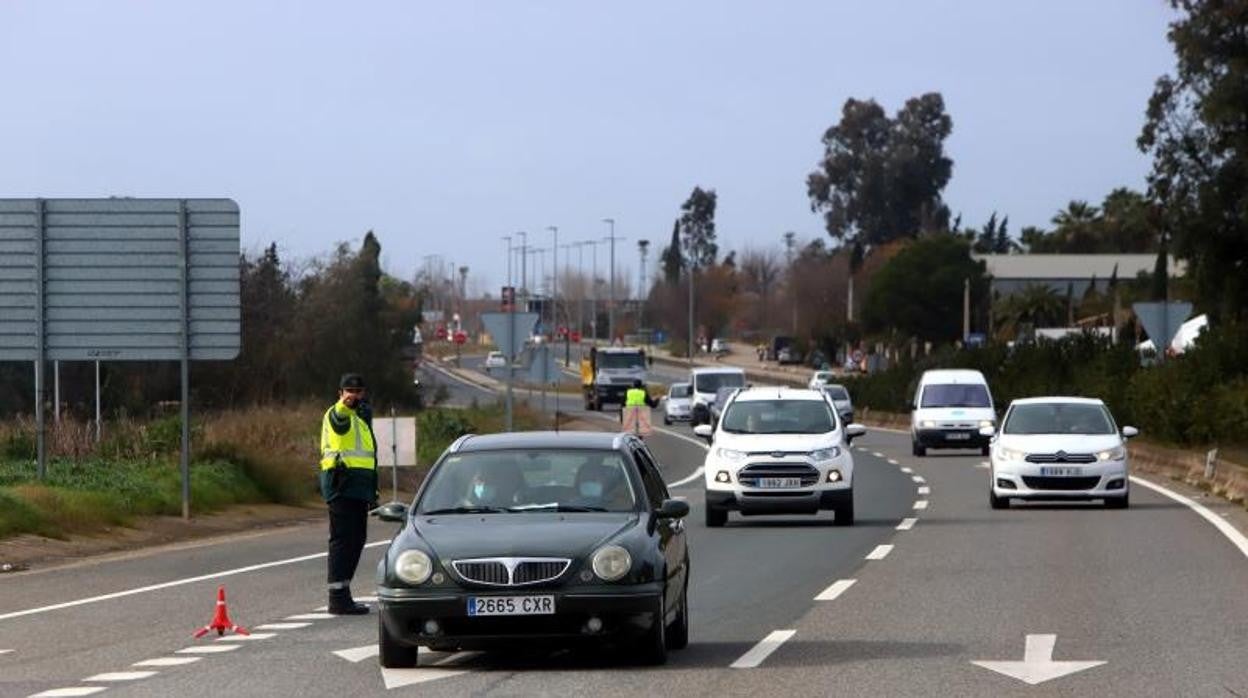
point(445, 126)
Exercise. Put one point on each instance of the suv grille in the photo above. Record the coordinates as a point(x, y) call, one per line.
point(1061, 457)
point(1061, 483)
point(511, 571)
point(750, 474)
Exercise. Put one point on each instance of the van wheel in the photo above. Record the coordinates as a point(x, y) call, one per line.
point(918, 450)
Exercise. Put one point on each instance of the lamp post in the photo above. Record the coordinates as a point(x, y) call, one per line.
point(524, 267)
point(611, 300)
point(554, 276)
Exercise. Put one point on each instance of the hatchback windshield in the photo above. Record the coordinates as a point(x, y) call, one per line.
point(778, 417)
point(679, 390)
point(836, 392)
point(712, 382)
point(956, 395)
point(1058, 418)
point(529, 480)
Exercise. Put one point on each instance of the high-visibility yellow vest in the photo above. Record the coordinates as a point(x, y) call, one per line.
point(635, 397)
point(356, 447)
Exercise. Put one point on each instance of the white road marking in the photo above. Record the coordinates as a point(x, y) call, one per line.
point(696, 475)
point(281, 626)
point(311, 616)
point(893, 461)
point(5, 651)
point(70, 692)
point(877, 454)
point(763, 649)
point(168, 661)
point(985, 465)
point(207, 649)
point(398, 678)
point(920, 504)
point(880, 552)
point(359, 654)
point(1232, 534)
point(246, 638)
point(918, 478)
point(838, 587)
point(1037, 665)
point(925, 490)
point(114, 676)
point(176, 583)
point(907, 524)
point(907, 470)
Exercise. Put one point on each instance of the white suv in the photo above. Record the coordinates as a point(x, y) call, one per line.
point(779, 451)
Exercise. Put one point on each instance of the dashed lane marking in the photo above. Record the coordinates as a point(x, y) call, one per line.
point(838, 587)
point(918, 478)
point(907, 524)
point(921, 504)
point(281, 626)
point(311, 616)
point(985, 465)
point(877, 454)
point(70, 692)
point(892, 461)
point(168, 661)
point(907, 470)
point(880, 552)
point(247, 638)
point(925, 490)
point(207, 649)
point(758, 653)
point(118, 676)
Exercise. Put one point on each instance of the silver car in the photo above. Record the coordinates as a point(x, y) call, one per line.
point(678, 404)
point(840, 400)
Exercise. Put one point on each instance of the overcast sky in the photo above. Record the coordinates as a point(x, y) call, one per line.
point(444, 126)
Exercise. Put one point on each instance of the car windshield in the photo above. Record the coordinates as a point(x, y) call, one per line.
point(836, 392)
point(1058, 418)
point(778, 417)
point(621, 360)
point(679, 390)
point(956, 395)
point(529, 480)
point(712, 382)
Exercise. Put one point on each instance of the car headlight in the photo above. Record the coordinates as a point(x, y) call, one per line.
point(729, 454)
point(413, 566)
point(834, 475)
point(1115, 453)
point(1009, 454)
point(723, 476)
point(825, 454)
point(927, 424)
point(611, 562)
point(985, 423)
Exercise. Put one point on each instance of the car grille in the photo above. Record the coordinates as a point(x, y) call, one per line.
point(750, 474)
point(1061, 483)
point(1061, 457)
point(511, 571)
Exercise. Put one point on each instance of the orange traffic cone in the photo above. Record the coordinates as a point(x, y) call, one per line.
point(221, 619)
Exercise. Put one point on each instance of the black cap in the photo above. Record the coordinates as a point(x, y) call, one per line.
point(637, 383)
point(351, 380)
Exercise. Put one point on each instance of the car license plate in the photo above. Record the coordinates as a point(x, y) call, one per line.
point(779, 482)
point(1060, 472)
point(511, 605)
point(958, 436)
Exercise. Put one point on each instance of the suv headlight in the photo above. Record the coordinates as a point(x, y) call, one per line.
point(413, 566)
point(611, 562)
point(729, 454)
point(1115, 453)
point(1009, 454)
point(825, 454)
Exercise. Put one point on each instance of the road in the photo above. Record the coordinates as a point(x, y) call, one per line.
point(1154, 592)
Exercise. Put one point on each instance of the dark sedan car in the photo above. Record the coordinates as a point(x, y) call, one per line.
point(537, 537)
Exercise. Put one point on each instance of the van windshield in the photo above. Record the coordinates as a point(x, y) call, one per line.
point(712, 382)
point(956, 395)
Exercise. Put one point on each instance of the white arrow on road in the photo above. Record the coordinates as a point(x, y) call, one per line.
point(1037, 665)
point(5, 651)
point(398, 678)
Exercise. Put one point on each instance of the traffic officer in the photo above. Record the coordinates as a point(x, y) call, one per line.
point(349, 485)
point(638, 397)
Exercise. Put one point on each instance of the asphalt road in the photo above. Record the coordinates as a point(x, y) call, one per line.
point(1155, 592)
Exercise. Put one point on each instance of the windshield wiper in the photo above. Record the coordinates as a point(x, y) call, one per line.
point(555, 507)
point(465, 510)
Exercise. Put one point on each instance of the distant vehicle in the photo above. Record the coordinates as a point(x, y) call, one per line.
point(565, 537)
point(608, 372)
point(706, 382)
point(949, 409)
point(820, 379)
point(719, 346)
point(789, 355)
point(722, 396)
point(779, 451)
point(840, 400)
point(1059, 448)
point(495, 359)
point(678, 405)
point(778, 344)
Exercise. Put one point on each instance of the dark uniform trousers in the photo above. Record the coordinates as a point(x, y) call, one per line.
point(348, 526)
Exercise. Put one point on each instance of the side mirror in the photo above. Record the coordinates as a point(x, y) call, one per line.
point(672, 509)
point(1130, 432)
point(704, 431)
point(987, 431)
point(912, 406)
point(394, 512)
point(853, 431)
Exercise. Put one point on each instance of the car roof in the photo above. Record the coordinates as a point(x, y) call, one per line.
point(716, 369)
point(590, 440)
point(682, 384)
point(778, 392)
point(1059, 398)
point(952, 375)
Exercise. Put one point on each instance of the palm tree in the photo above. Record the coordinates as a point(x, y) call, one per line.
point(1036, 305)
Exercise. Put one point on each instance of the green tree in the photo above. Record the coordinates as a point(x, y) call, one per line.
point(994, 237)
point(697, 227)
point(919, 291)
point(672, 259)
point(1036, 305)
point(1197, 133)
point(881, 179)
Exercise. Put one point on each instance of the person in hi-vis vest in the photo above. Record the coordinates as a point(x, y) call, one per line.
point(637, 402)
point(349, 485)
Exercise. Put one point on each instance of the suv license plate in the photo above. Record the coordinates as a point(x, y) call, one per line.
point(779, 482)
point(958, 436)
point(1061, 472)
point(511, 605)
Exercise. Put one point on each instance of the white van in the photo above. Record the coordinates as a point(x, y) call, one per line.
point(706, 382)
point(949, 409)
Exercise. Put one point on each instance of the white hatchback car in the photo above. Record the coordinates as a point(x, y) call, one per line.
point(678, 404)
point(495, 359)
point(820, 379)
point(779, 451)
point(1059, 448)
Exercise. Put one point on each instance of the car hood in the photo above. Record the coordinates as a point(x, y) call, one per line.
point(458, 536)
point(1052, 443)
point(771, 443)
point(679, 402)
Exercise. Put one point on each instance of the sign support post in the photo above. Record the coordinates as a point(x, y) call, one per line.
point(40, 342)
point(184, 267)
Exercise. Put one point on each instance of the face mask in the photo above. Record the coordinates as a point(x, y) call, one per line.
point(591, 489)
point(480, 490)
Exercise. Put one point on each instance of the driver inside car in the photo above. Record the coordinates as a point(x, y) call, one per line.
point(493, 485)
point(602, 485)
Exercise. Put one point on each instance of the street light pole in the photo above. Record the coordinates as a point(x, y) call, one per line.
point(593, 285)
point(509, 421)
point(611, 302)
point(524, 268)
point(554, 276)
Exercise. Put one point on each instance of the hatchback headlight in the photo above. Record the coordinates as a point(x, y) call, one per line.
point(611, 562)
point(1009, 454)
point(413, 566)
point(1115, 453)
point(825, 454)
point(729, 454)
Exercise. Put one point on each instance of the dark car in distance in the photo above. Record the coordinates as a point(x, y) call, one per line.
point(537, 537)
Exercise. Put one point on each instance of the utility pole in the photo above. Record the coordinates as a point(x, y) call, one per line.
point(790, 242)
point(692, 270)
point(593, 283)
point(643, 247)
point(966, 309)
point(524, 268)
point(509, 422)
point(611, 302)
point(554, 277)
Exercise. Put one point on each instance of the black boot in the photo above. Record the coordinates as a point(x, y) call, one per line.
point(341, 604)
